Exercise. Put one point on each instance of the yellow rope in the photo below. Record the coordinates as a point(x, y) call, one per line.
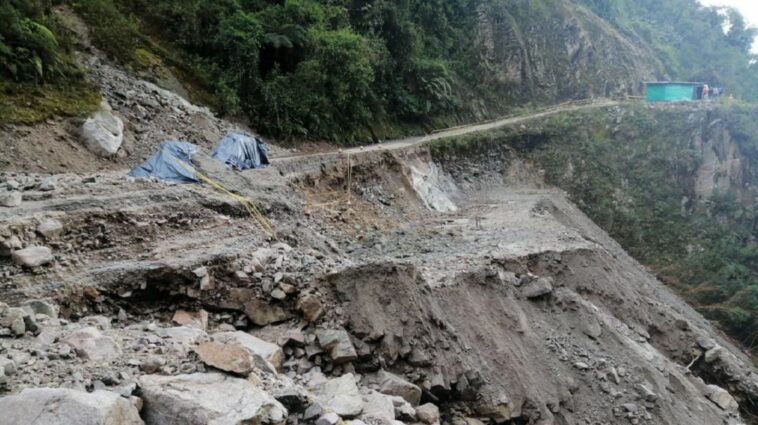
point(249, 206)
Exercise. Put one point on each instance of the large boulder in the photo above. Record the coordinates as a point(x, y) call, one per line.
point(378, 409)
point(272, 353)
point(103, 133)
point(207, 399)
point(392, 384)
point(59, 406)
point(33, 256)
point(340, 395)
point(227, 357)
point(90, 344)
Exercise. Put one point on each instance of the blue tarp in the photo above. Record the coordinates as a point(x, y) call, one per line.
point(173, 162)
point(241, 151)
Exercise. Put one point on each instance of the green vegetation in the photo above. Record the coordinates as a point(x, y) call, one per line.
point(350, 70)
point(633, 172)
point(39, 78)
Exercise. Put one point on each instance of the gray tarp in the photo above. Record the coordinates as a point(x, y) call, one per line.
point(172, 162)
point(241, 151)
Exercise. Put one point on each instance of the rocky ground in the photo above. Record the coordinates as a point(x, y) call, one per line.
point(400, 287)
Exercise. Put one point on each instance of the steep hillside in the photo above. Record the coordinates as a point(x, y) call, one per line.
point(676, 186)
point(353, 70)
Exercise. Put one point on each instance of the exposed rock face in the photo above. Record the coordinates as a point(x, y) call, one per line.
point(207, 398)
point(722, 398)
point(103, 133)
point(58, 406)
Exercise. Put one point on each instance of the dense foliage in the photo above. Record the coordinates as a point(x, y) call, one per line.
point(690, 40)
point(351, 70)
point(632, 172)
point(343, 69)
point(38, 76)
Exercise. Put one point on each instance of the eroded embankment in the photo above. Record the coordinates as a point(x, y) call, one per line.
point(454, 282)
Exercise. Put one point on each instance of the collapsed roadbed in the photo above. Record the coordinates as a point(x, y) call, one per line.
point(403, 286)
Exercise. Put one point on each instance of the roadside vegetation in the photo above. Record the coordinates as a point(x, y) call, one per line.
point(38, 76)
point(344, 70)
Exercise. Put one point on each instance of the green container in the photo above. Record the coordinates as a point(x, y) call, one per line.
point(673, 92)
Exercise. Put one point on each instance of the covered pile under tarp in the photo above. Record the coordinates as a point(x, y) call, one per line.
point(172, 162)
point(241, 151)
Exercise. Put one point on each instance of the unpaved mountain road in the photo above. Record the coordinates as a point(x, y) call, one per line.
point(459, 131)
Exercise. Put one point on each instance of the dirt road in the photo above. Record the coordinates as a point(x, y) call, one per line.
point(462, 130)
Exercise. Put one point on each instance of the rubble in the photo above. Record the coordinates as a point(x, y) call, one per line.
point(90, 344)
point(10, 199)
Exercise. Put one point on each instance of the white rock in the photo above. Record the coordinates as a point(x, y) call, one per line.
point(208, 399)
point(33, 256)
point(182, 335)
point(59, 406)
point(10, 199)
point(90, 344)
point(721, 397)
point(50, 228)
point(103, 133)
point(428, 413)
point(341, 396)
point(378, 408)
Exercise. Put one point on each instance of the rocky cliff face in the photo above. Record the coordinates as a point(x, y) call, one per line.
point(558, 50)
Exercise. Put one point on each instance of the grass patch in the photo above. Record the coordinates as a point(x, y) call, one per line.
point(28, 103)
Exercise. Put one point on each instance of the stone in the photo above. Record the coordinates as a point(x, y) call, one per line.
point(60, 406)
point(278, 294)
point(50, 228)
point(227, 357)
point(272, 353)
point(48, 184)
point(262, 313)
point(191, 319)
point(7, 366)
point(392, 384)
point(41, 307)
point(153, 364)
point(10, 199)
point(13, 319)
point(88, 343)
point(403, 410)
point(33, 256)
point(208, 399)
point(7, 246)
point(537, 288)
point(103, 133)
point(713, 354)
point(292, 337)
point(646, 393)
point(428, 413)
point(337, 343)
point(311, 307)
point(340, 395)
point(378, 408)
point(722, 398)
point(328, 419)
point(182, 335)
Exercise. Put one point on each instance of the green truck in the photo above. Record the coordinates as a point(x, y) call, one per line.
point(673, 91)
